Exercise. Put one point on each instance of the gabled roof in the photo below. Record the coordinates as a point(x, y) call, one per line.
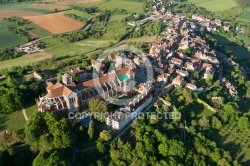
point(59, 91)
point(50, 86)
point(96, 81)
point(122, 70)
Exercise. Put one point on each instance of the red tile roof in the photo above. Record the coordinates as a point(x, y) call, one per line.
point(59, 91)
point(96, 81)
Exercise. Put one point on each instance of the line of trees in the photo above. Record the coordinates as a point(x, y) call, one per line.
point(76, 17)
point(73, 36)
point(9, 53)
point(18, 21)
point(19, 31)
point(88, 10)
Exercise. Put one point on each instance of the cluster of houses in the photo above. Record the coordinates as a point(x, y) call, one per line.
point(232, 89)
point(212, 25)
point(29, 48)
point(174, 59)
point(182, 53)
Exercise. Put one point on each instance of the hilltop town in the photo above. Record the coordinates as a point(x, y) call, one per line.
point(157, 86)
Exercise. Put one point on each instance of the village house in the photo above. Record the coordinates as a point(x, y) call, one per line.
point(218, 22)
point(163, 77)
point(226, 28)
point(98, 66)
point(80, 74)
point(191, 66)
point(177, 62)
point(209, 71)
point(179, 80)
point(232, 90)
point(182, 73)
point(191, 87)
point(123, 116)
point(198, 17)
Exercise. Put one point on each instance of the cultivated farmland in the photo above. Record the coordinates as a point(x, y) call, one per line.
point(8, 39)
point(51, 7)
point(19, 13)
point(215, 5)
point(56, 23)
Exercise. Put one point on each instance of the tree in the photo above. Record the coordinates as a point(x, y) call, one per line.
point(163, 149)
point(203, 122)
point(59, 77)
point(243, 123)
point(216, 124)
point(188, 96)
point(105, 135)
point(100, 147)
point(91, 130)
point(55, 158)
point(98, 109)
point(33, 130)
point(231, 110)
point(11, 99)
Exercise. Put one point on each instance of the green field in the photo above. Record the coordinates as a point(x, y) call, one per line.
point(130, 6)
point(31, 109)
point(118, 17)
point(240, 52)
point(7, 39)
point(20, 61)
point(245, 17)
point(22, 6)
point(13, 6)
point(12, 122)
point(37, 30)
point(79, 13)
point(215, 5)
point(237, 142)
point(58, 48)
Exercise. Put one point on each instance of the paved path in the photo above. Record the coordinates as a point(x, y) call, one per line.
point(24, 114)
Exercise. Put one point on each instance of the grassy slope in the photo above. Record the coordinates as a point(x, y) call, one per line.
point(78, 13)
point(58, 48)
point(128, 5)
point(245, 16)
point(12, 122)
point(21, 61)
point(37, 30)
point(215, 5)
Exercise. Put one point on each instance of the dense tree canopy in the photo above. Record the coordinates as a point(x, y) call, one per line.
point(11, 99)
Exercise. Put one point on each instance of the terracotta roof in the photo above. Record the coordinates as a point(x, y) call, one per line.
point(58, 85)
point(96, 81)
point(130, 72)
point(176, 60)
point(57, 92)
point(191, 86)
point(50, 86)
point(122, 70)
point(71, 86)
